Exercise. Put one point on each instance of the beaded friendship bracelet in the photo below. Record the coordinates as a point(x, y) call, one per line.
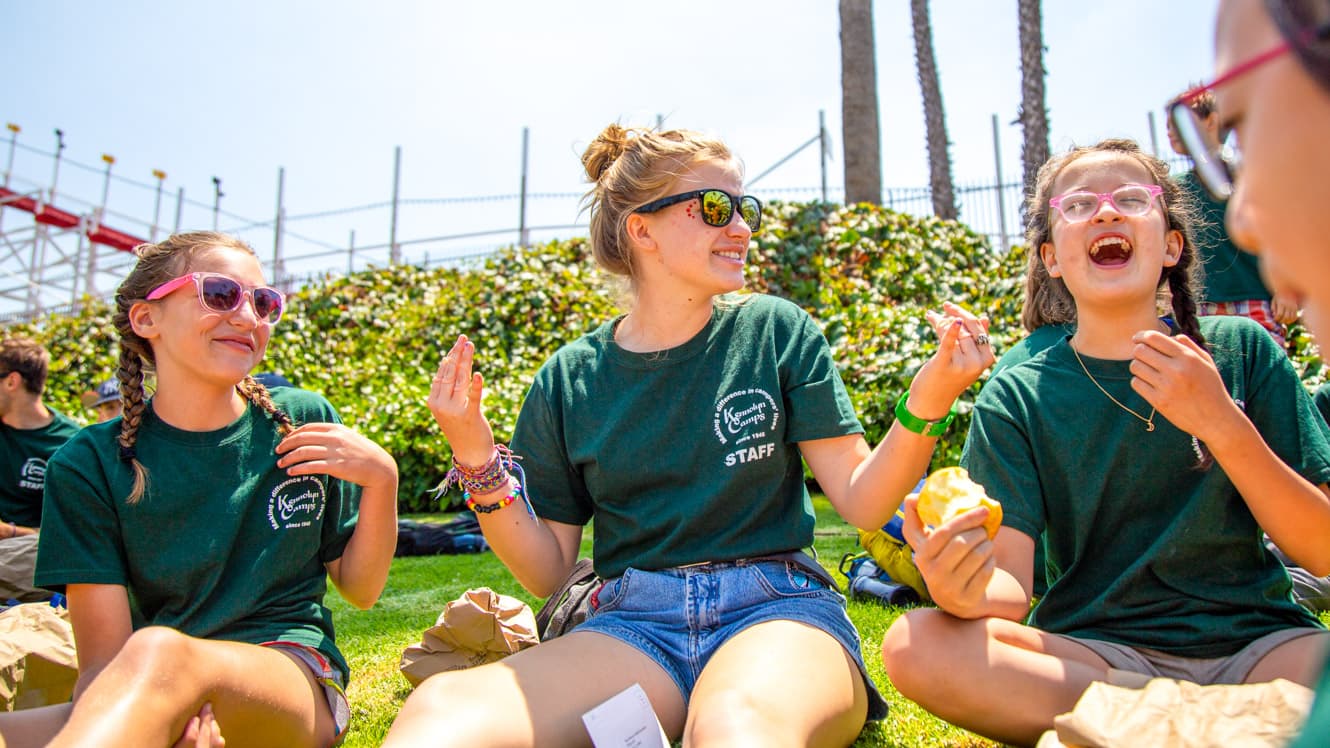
point(514, 491)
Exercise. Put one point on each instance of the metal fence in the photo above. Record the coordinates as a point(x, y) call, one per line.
point(46, 269)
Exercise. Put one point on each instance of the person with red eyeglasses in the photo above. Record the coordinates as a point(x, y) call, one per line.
point(1273, 90)
point(1231, 281)
point(194, 536)
point(1273, 93)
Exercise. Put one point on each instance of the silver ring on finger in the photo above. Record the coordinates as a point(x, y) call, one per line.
point(981, 339)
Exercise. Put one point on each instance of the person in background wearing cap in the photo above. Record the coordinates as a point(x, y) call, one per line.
point(105, 400)
point(30, 432)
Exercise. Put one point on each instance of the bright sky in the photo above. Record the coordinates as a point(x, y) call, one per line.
point(326, 90)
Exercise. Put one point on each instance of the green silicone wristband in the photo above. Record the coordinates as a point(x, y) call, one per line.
point(918, 425)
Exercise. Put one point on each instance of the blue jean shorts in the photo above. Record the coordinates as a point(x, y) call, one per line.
point(680, 616)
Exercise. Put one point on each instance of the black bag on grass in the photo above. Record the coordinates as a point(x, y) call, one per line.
point(461, 535)
point(570, 604)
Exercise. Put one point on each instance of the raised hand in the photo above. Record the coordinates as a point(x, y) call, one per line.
point(455, 400)
point(963, 353)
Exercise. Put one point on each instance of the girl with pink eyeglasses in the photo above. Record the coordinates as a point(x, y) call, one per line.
point(1149, 453)
point(195, 534)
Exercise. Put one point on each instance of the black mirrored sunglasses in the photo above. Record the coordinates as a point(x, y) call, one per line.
point(717, 207)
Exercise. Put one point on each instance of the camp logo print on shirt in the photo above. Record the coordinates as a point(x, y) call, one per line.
point(297, 502)
point(743, 419)
point(33, 474)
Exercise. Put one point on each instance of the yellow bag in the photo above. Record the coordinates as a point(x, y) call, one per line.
point(896, 559)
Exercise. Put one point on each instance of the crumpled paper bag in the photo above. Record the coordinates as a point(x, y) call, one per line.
point(18, 559)
point(1183, 714)
point(477, 628)
point(38, 665)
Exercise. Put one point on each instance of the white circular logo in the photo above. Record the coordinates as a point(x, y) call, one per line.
point(297, 502)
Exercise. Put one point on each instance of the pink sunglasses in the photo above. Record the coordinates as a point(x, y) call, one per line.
point(223, 294)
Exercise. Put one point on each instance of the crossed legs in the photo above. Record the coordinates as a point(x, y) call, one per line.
point(1008, 681)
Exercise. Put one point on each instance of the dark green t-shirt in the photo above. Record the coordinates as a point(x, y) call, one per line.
point(23, 457)
point(1031, 345)
point(1229, 273)
point(687, 454)
point(222, 545)
point(1026, 349)
point(1143, 548)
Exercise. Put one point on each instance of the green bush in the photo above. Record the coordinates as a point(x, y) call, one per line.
point(370, 342)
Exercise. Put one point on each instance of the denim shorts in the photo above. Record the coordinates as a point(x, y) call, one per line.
point(680, 616)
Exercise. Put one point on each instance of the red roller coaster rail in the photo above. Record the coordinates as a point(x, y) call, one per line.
point(53, 216)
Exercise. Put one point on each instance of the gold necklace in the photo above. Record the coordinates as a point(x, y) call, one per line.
point(1149, 422)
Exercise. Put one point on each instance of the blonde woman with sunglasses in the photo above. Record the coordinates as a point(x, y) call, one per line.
point(682, 428)
point(195, 534)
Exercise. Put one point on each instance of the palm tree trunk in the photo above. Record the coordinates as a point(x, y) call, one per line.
point(1034, 111)
point(859, 115)
point(935, 119)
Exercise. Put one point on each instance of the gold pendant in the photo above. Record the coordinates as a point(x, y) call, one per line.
point(1149, 426)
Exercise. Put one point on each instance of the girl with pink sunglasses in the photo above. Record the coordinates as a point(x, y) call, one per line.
point(195, 534)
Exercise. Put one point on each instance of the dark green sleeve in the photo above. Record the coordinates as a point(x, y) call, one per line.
point(1278, 406)
point(556, 491)
point(80, 538)
point(999, 457)
point(816, 401)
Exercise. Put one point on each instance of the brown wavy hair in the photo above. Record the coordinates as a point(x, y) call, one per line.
point(157, 264)
point(1047, 300)
point(630, 167)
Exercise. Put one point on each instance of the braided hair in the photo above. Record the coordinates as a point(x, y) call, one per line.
point(157, 264)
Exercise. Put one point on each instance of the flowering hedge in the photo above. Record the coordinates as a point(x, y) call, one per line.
point(370, 342)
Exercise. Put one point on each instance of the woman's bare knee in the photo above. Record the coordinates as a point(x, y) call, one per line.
point(154, 663)
point(727, 718)
point(452, 699)
point(734, 718)
point(914, 642)
point(161, 652)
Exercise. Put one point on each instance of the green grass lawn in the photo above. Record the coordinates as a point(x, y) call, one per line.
point(419, 587)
